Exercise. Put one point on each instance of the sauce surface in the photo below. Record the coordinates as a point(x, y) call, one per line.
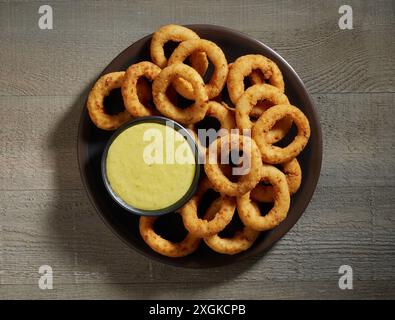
point(150, 166)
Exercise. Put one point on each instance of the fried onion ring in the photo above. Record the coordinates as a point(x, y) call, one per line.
point(213, 171)
point(165, 247)
point(258, 109)
point(247, 103)
point(129, 87)
point(241, 241)
point(293, 174)
point(182, 86)
point(248, 210)
point(201, 227)
point(191, 114)
point(243, 67)
point(95, 104)
point(215, 55)
point(273, 154)
point(177, 33)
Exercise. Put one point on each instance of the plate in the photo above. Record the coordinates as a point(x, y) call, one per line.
point(92, 141)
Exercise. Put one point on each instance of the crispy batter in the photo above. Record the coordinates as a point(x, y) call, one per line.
point(215, 55)
point(243, 67)
point(241, 241)
point(191, 114)
point(293, 174)
point(100, 90)
point(175, 33)
point(257, 77)
point(248, 103)
point(248, 210)
point(197, 59)
point(213, 170)
point(165, 247)
point(271, 153)
point(199, 62)
point(130, 91)
point(203, 228)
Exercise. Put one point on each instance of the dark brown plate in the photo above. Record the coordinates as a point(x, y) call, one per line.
point(91, 143)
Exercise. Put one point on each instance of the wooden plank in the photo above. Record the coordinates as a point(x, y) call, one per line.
point(46, 218)
point(38, 141)
point(87, 35)
point(205, 290)
point(342, 225)
point(358, 139)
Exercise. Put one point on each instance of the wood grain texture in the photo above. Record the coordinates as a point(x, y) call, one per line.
point(40, 153)
point(46, 218)
point(205, 290)
point(341, 226)
point(88, 35)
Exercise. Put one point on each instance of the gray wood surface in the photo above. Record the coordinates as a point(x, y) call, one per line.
point(46, 218)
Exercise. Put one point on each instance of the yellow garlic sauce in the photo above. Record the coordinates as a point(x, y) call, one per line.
point(146, 184)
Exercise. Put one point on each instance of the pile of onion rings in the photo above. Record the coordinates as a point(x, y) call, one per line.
point(254, 122)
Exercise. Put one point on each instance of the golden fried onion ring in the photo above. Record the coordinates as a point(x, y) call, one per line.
point(203, 228)
point(129, 87)
point(215, 55)
point(243, 67)
point(249, 212)
point(191, 114)
point(165, 247)
point(248, 103)
point(271, 153)
point(261, 105)
point(182, 86)
point(241, 241)
point(213, 170)
point(95, 104)
point(293, 174)
point(177, 33)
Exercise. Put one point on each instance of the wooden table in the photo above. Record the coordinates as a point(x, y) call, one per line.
point(45, 215)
